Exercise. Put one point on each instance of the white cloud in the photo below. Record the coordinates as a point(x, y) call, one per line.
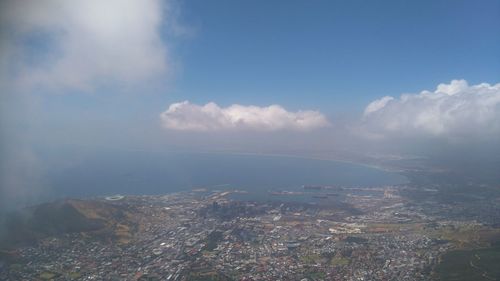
point(452, 110)
point(210, 117)
point(79, 44)
point(377, 104)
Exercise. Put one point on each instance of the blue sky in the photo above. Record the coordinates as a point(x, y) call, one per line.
point(330, 56)
point(333, 55)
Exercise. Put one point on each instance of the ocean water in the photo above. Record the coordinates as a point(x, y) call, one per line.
point(139, 172)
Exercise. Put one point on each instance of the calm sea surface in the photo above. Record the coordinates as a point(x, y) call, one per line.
point(138, 172)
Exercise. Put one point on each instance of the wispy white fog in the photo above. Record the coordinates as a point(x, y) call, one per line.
point(61, 45)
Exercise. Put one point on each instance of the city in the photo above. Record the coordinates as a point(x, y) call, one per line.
point(207, 235)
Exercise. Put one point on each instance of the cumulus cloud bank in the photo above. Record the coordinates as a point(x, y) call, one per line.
point(82, 43)
point(452, 110)
point(210, 117)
